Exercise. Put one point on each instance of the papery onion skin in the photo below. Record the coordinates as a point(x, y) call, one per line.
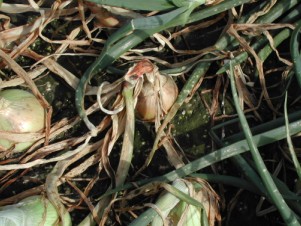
point(148, 99)
point(20, 112)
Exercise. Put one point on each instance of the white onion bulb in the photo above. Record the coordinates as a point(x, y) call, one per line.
point(31, 211)
point(20, 112)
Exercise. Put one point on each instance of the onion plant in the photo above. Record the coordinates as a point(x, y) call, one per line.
point(34, 211)
point(287, 214)
point(133, 33)
point(175, 13)
point(189, 201)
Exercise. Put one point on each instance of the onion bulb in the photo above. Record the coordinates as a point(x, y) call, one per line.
point(32, 211)
point(156, 97)
point(20, 112)
point(196, 204)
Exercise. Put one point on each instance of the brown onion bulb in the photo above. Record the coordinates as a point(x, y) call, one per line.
point(154, 95)
point(20, 112)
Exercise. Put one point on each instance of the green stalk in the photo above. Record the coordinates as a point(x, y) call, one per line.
point(287, 214)
point(228, 180)
point(213, 10)
point(128, 137)
point(223, 153)
point(277, 10)
point(255, 130)
point(249, 173)
point(248, 170)
point(156, 5)
point(289, 141)
point(295, 52)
